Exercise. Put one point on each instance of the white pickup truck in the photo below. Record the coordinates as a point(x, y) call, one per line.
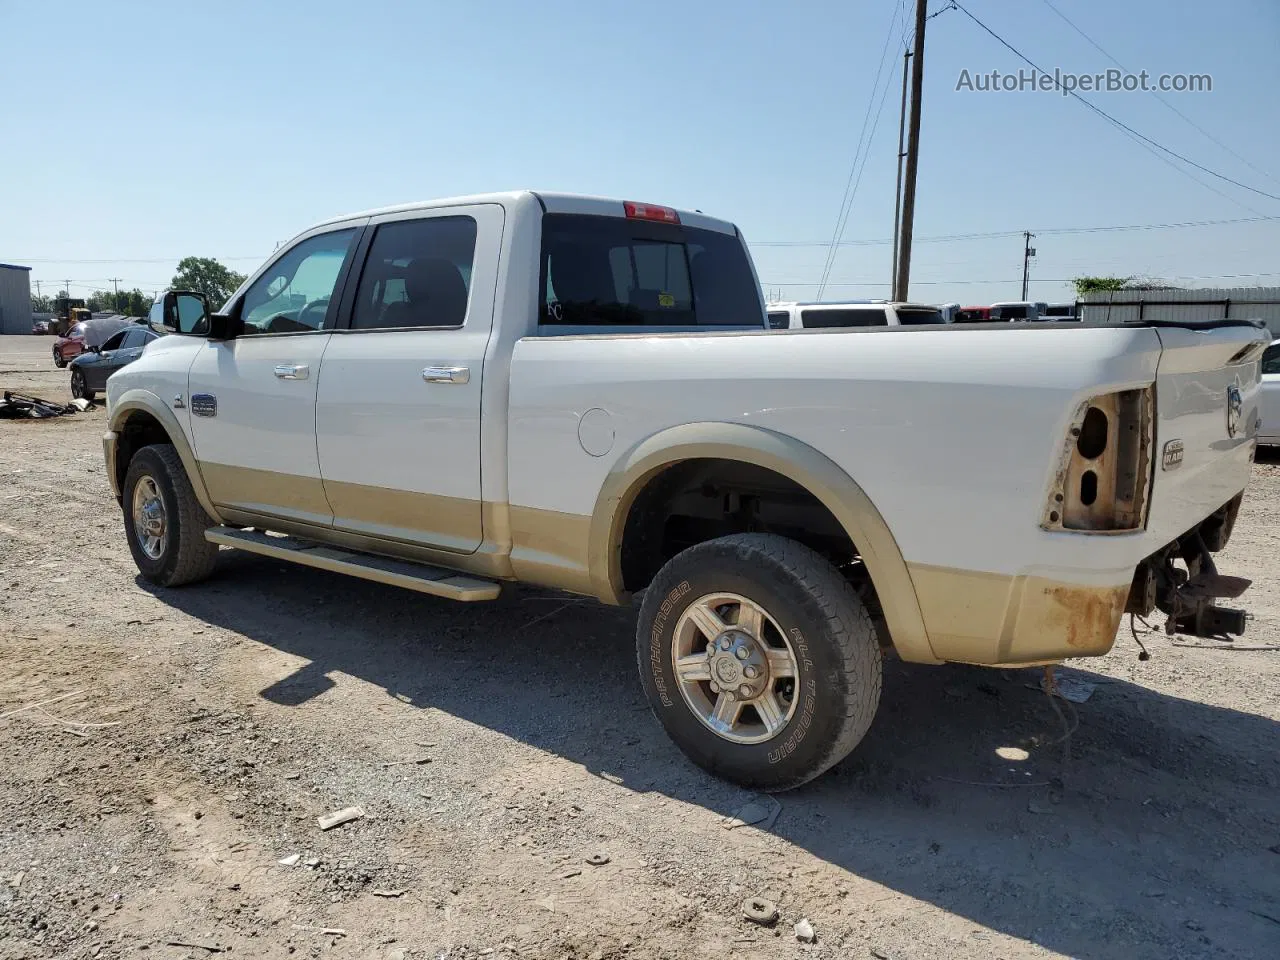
point(582, 394)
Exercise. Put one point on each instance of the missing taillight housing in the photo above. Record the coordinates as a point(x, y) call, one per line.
point(1104, 474)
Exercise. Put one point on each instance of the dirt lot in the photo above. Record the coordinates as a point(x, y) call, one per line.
point(187, 740)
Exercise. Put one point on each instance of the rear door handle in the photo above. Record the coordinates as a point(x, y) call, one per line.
point(292, 371)
point(446, 374)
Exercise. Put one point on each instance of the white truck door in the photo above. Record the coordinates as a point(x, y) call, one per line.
point(253, 399)
point(398, 408)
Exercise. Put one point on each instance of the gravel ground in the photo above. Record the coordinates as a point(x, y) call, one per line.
point(187, 740)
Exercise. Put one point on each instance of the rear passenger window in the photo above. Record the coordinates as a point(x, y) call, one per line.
point(863, 317)
point(418, 274)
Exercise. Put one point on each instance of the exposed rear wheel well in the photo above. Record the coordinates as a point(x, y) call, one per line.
point(693, 501)
point(139, 430)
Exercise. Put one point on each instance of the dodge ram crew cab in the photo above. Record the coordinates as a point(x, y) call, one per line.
point(583, 394)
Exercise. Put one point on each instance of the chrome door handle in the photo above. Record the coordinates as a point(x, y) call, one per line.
point(292, 371)
point(446, 374)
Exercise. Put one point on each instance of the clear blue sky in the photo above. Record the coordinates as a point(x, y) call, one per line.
point(132, 131)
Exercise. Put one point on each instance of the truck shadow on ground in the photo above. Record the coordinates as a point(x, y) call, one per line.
point(1153, 840)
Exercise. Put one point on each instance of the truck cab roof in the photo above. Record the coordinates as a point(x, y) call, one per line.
point(551, 202)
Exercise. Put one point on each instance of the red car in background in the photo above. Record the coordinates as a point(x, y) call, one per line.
point(69, 346)
point(87, 335)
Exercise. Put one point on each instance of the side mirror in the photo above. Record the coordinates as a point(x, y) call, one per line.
point(225, 326)
point(185, 312)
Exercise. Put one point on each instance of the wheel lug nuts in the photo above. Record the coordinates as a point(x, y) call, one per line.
point(730, 695)
point(744, 691)
point(743, 653)
point(724, 644)
point(749, 672)
point(715, 687)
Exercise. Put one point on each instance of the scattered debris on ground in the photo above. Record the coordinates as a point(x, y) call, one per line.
point(760, 812)
point(14, 406)
point(339, 817)
point(761, 911)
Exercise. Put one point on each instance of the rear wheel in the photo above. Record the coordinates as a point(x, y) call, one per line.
point(78, 388)
point(57, 359)
point(163, 522)
point(759, 659)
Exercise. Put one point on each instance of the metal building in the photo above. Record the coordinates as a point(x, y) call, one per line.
point(1239, 303)
point(15, 299)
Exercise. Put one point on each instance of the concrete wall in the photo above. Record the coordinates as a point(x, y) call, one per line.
point(15, 299)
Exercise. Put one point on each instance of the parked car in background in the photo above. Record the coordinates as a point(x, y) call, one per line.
point(1015, 310)
point(39, 328)
point(1060, 312)
point(949, 311)
point(86, 334)
point(851, 313)
point(972, 315)
point(69, 345)
point(89, 371)
point(1269, 431)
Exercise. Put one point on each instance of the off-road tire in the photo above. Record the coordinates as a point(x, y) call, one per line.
point(838, 656)
point(78, 389)
point(187, 556)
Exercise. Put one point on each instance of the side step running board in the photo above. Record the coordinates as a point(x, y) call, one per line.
point(400, 573)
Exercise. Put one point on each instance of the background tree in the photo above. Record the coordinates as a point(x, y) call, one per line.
point(1094, 284)
point(41, 304)
point(138, 303)
point(206, 275)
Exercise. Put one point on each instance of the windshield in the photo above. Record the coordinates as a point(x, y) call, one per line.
point(609, 271)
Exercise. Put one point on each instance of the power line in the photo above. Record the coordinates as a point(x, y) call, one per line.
point(1002, 234)
point(1119, 123)
point(850, 186)
point(1097, 46)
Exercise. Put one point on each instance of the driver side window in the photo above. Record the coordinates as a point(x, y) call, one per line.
point(295, 291)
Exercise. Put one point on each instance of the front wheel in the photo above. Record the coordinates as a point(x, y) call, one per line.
point(163, 521)
point(759, 659)
point(58, 360)
point(78, 388)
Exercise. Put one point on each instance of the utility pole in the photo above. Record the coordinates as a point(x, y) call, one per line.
point(115, 299)
point(67, 288)
point(913, 156)
point(897, 190)
point(37, 288)
point(1028, 251)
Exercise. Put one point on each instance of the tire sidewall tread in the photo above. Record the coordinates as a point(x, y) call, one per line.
point(187, 556)
point(834, 639)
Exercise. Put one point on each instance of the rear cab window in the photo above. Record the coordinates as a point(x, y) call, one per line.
point(1009, 313)
point(845, 317)
point(913, 316)
point(627, 274)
